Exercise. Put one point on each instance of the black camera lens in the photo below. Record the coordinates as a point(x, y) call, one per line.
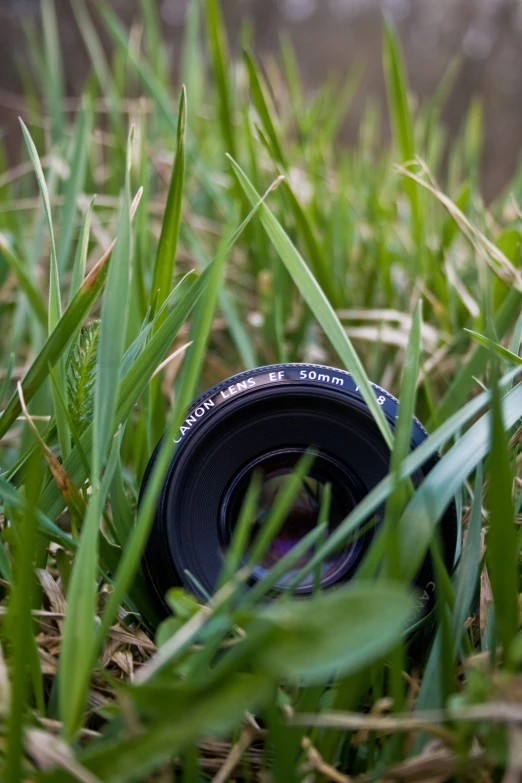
point(275, 468)
point(263, 421)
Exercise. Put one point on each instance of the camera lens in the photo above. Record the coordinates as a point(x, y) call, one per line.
point(275, 469)
point(263, 421)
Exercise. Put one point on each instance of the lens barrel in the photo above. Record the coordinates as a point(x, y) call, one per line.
point(263, 421)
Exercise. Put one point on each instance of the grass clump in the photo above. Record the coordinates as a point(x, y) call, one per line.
point(180, 254)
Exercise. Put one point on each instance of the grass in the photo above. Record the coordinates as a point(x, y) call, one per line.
point(140, 263)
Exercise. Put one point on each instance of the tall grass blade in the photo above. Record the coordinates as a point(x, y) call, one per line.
point(168, 242)
point(217, 42)
point(502, 554)
point(316, 300)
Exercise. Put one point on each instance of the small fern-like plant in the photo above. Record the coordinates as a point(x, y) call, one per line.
point(81, 376)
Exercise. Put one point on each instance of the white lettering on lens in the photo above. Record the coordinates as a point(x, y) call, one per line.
point(241, 385)
point(312, 376)
point(232, 390)
point(272, 376)
point(194, 416)
point(251, 382)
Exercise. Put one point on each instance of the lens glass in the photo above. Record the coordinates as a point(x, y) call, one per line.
point(302, 517)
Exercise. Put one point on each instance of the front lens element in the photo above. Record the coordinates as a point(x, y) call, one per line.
point(302, 517)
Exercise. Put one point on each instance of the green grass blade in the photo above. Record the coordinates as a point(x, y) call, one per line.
point(261, 107)
point(368, 506)
point(53, 348)
point(155, 47)
point(436, 491)
point(217, 43)
point(192, 76)
point(400, 115)
point(112, 331)
point(78, 636)
point(80, 258)
point(402, 441)
point(98, 60)
point(20, 629)
point(318, 260)
point(496, 348)
point(206, 286)
point(75, 183)
point(502, 552)
point(316, 300)
point(54, 282)
point(465, 589)
point(464, 381)
point(53, 74)
point(24, 280)
point(55, 305)
point(121, 38)
point(280, 509)
point(168, 242)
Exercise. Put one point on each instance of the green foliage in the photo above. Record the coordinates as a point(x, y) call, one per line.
point(382, 258)
point(81, 376)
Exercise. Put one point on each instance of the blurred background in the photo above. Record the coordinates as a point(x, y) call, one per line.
point(329, 37)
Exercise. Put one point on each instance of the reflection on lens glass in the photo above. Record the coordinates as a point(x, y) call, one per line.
point(302, 517)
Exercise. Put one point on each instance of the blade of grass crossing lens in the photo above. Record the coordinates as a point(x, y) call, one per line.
point(168, 242)
point(241, 534)
point(208, 282)
point(502, 555)
point(280, 508)
point(324, 516)
point(263, 586)
point(112, 331)
point(316, 300)
point(367, 507)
